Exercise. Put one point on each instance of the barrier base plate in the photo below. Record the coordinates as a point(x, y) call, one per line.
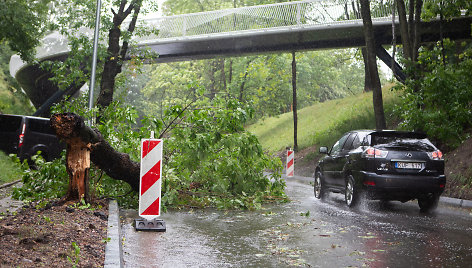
point(150, 226)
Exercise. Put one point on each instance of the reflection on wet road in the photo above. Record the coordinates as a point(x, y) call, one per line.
point(306, 233)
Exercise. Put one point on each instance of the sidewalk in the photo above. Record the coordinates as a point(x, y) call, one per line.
point(7, 204)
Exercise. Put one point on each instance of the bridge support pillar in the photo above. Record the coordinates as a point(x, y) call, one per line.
point(387, 59)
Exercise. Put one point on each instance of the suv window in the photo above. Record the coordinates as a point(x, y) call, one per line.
point(41, 126)
point(9, 123)
point(349, 144)
point(338, 145)
point(356, 142)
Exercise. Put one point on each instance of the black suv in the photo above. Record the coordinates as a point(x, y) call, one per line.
point(382, 165)
point(26, 135)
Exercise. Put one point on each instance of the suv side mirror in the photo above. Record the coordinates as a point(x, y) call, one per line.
point(323, 150)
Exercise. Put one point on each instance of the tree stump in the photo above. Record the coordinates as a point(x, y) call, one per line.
point(68, 128)
point(85, 145)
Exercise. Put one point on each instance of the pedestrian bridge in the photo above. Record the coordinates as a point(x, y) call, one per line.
point(283, 27)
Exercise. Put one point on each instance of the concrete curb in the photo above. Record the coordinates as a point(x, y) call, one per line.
point(454, 202)
point(113, 249)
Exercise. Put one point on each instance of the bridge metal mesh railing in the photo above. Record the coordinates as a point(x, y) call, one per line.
point(267, 17)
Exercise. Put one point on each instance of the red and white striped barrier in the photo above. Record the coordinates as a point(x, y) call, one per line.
point(150, 178)
point(290, 163)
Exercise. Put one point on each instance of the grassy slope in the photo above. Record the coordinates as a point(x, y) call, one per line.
point(10, 171)
point(322, 123)
point(11, 104)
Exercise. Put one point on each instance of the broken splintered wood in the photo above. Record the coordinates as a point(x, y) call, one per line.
point(85, 144)
point(68, 128)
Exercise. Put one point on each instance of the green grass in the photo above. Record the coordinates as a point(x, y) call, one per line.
point(10, 171)
point(322, 123)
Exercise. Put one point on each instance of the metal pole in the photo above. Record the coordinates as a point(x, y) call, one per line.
point(94, 60)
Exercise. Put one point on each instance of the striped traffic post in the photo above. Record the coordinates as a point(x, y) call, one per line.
point(290, 165)
point(150, 185)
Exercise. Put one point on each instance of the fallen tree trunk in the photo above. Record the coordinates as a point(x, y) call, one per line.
point(85, 144)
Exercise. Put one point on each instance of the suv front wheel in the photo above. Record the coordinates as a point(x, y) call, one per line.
point(318, 186)
point(351, 193)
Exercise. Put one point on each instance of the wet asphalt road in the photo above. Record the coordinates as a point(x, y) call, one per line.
point(304, 233)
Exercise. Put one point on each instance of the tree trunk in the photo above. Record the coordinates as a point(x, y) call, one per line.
point(294, 101)
point(84, 145)
point(404, 29)
point(373, 71)
point(241, 87)
point(223, 74)
point(230, 72)
point(77, 155)
point(367, 82)
point(416, 29)
point(212, 68)
point(243, 83)
point(115, 53)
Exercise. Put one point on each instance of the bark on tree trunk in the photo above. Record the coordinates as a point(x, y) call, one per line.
point(212, 68)
point(84, 145)
point(416, 27)
point(404, 29)
point(243, 83)
point(230, 72)
point(373, 71)
point(367, 82)
point(294, 101)
point(223, 74)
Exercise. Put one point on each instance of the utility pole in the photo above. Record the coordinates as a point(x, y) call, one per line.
point(94, 59)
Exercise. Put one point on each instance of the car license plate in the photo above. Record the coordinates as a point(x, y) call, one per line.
point(409, 165)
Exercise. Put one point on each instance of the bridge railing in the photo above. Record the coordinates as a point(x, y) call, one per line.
point(266, 17)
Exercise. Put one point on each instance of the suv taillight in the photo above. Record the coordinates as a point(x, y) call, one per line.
point(21, 138)
point(371, 152)
point(436, 155)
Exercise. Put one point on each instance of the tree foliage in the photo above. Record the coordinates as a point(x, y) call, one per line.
point(437, 97)
point(215, 162)
point(12, 99)
point(22, 24)
point(442, 107)
point(74, 23)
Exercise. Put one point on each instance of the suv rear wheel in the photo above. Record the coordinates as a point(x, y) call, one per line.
point(351, 193)
point(318, 186)
point(428, 203)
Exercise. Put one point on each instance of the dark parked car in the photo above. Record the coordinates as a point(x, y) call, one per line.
point(382, 165)
point(26, 135)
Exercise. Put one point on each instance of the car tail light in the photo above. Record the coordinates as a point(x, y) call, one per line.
point(371, 152)
point(436, 155)
point(21, 138)
point(369, 183)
